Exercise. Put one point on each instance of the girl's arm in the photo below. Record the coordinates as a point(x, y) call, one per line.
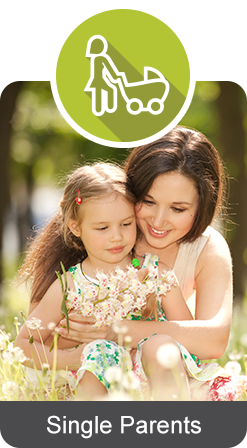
point(40, 354)
point(39, 327)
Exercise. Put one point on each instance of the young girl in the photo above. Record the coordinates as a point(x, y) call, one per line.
point(95, 229)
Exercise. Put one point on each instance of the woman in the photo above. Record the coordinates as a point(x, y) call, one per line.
point(179, 185)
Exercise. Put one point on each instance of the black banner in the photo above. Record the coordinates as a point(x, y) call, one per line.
point(118, 424)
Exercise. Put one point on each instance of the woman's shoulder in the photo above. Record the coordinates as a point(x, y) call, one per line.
point(215, 240)
point(216, 248)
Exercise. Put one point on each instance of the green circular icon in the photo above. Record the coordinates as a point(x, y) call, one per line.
point(123, 78)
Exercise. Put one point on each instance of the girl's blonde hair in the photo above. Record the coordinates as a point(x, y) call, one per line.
point(56, 243)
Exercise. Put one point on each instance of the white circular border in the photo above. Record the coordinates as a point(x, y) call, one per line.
point(110, 7)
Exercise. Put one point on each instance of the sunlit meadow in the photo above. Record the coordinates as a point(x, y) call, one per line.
point(15, 385)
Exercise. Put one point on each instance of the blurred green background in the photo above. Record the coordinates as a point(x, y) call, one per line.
point(38, 148)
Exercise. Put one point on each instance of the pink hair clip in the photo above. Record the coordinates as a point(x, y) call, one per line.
point(78, 198)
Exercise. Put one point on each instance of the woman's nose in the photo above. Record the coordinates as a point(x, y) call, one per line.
point(159, 218)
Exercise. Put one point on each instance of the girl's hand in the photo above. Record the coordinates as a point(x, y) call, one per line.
point(142, 273)
point(73, 357)
point(81, 329)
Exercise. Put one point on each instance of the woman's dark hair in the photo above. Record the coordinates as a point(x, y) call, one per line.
point(189, 153)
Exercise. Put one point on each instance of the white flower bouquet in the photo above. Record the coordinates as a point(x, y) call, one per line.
point(117, 296)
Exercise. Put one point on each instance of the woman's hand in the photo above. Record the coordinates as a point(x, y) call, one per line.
point(81, 329)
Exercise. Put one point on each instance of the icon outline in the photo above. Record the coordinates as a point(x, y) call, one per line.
point(112, 76)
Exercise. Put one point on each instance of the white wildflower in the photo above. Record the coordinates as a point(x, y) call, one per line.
point(169, 277)
point(118, 317)
point(118, 294)
point(88, 308)
point(110, 319)
point(140, 302)
point(51, 326)
point(119, 328)
point(243, 339)
point(128, 340)
point(152, 271)
point(10, 388)
point(3, 341)
point(90, 292)
point(130, 381)
point(127, 299)
point(235, 355)
point(131, 272)
point(168, 355)
point(45, 369)
point(233, 367)
point(135, 285)
point(150, 286)
point(97, 324)
point(14, 354)
point(34, 324)
point(103, 279)
point(16, 322)
point(114, 374)
point(120, 274)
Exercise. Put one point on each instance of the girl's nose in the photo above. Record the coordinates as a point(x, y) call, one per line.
point(116, 235)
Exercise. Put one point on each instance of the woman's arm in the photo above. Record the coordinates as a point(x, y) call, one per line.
point(207, 335)
point(173, 302)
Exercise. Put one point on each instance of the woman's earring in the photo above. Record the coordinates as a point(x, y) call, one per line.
point(78, 198)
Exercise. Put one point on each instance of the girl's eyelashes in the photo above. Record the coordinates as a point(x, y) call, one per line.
point(148, 202)
point(106, 227)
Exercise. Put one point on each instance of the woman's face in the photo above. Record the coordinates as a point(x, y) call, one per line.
point(168, 210)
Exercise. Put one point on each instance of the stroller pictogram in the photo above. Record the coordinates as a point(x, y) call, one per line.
point(106, 83)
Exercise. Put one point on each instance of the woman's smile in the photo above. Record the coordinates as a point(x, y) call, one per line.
point(168, 210)
point(157, 233)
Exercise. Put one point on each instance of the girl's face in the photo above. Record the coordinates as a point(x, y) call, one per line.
point(108, 230)
point(167, 212)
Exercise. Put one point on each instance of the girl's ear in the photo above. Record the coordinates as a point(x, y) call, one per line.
point(74, 228)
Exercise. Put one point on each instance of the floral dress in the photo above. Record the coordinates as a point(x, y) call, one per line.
point(101, 354)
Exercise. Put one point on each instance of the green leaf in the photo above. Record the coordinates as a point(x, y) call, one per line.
point(65, 291)
point(64, 310)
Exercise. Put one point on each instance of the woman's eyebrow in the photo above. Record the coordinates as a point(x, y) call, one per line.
point(174, 202)
point(182, 202)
